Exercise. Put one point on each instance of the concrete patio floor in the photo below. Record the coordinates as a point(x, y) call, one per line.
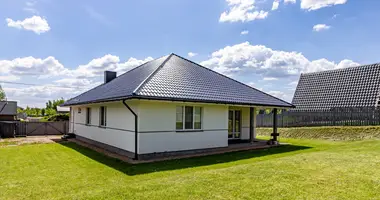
point(244, 146)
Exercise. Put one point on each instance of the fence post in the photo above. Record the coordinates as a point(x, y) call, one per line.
point(282, 119)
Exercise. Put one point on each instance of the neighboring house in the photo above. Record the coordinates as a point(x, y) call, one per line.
point(63, 110)
point(8, 110)
point(169, 104)
point(354, 87)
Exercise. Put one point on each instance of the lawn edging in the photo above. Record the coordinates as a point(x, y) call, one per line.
point(327, 132)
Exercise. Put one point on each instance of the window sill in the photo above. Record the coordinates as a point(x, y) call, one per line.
point(88, 124)
point(102, 127)
point(190, 130)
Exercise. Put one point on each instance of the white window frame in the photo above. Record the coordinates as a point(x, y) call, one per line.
point(88, 115)
point(184, 116)
point(104, 116)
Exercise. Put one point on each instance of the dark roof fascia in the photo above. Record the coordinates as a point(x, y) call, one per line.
point(97, 101)
point(175, 99)
point(207, 101)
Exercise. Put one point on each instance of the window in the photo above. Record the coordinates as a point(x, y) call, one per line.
point(103, 116)
point(188, 118)
point(179, 118)
point(79, 110)
point(88, 116)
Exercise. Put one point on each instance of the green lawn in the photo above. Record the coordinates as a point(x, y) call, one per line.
point(307, 169)
point(327, 133)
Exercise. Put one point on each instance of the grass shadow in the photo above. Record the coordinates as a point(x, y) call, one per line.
point(144, 168)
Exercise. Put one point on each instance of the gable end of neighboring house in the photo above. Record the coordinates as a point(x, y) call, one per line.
point(8, 110)
point(353, 87)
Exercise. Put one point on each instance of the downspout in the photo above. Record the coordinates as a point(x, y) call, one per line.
point(136, 131)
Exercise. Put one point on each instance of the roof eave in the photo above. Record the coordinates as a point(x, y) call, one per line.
point(175, 99)
point(209, 101)
point(96, 101)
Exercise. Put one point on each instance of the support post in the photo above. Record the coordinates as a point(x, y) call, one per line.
point(251, 128)
point(275, 134)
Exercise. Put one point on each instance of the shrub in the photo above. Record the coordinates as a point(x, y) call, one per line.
point(58, 117)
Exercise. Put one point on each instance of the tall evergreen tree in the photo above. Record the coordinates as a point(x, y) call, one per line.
point(3, 97)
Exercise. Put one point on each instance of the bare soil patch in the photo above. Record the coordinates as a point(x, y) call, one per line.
point(29, 140)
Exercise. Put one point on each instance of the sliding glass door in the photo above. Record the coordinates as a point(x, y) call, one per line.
point(234, 124)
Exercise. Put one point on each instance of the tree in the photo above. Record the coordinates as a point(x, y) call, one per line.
point(53, 104)
point(50, 111)
point(3, 97)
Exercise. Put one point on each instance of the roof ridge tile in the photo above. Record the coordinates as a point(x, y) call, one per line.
point(231, 79)
point(150, 75)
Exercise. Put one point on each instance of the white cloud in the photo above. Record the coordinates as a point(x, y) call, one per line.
point(248, 59)
point(36, 24)
point(275, 4)
point(242, 10)
point(131, 63)
point(97, 66)
point(324, 64)
point(279, 94)
point(245, 32)
point(317, 4)
point(33, 66)
point(48, 67)
point(289, 1)
point(9, 78)
point(346, 63)
point(321, 27)
point(38, 95)
point(191, 54)
point(270, 79)
point(70, 83)
point(73, 82)
point(254, 85)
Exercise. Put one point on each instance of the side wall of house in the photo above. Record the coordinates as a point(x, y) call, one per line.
point(157, 128)
point(119, 131)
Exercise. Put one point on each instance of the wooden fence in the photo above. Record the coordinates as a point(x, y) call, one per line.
point(367, 116)
point(17, 128)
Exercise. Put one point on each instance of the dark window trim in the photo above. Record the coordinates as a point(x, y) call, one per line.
point(189, 130)
point(88, 116)
point(103, 116)
point(184, 119)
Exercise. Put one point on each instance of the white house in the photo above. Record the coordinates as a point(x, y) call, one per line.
point(167, 105)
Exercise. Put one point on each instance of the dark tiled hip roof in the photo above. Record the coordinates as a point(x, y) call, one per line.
point(178, 79)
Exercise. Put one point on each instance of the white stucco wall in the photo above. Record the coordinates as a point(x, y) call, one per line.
point(157, 128)
point(119, 131)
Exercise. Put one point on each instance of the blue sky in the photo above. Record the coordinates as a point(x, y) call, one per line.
point(61, 47)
